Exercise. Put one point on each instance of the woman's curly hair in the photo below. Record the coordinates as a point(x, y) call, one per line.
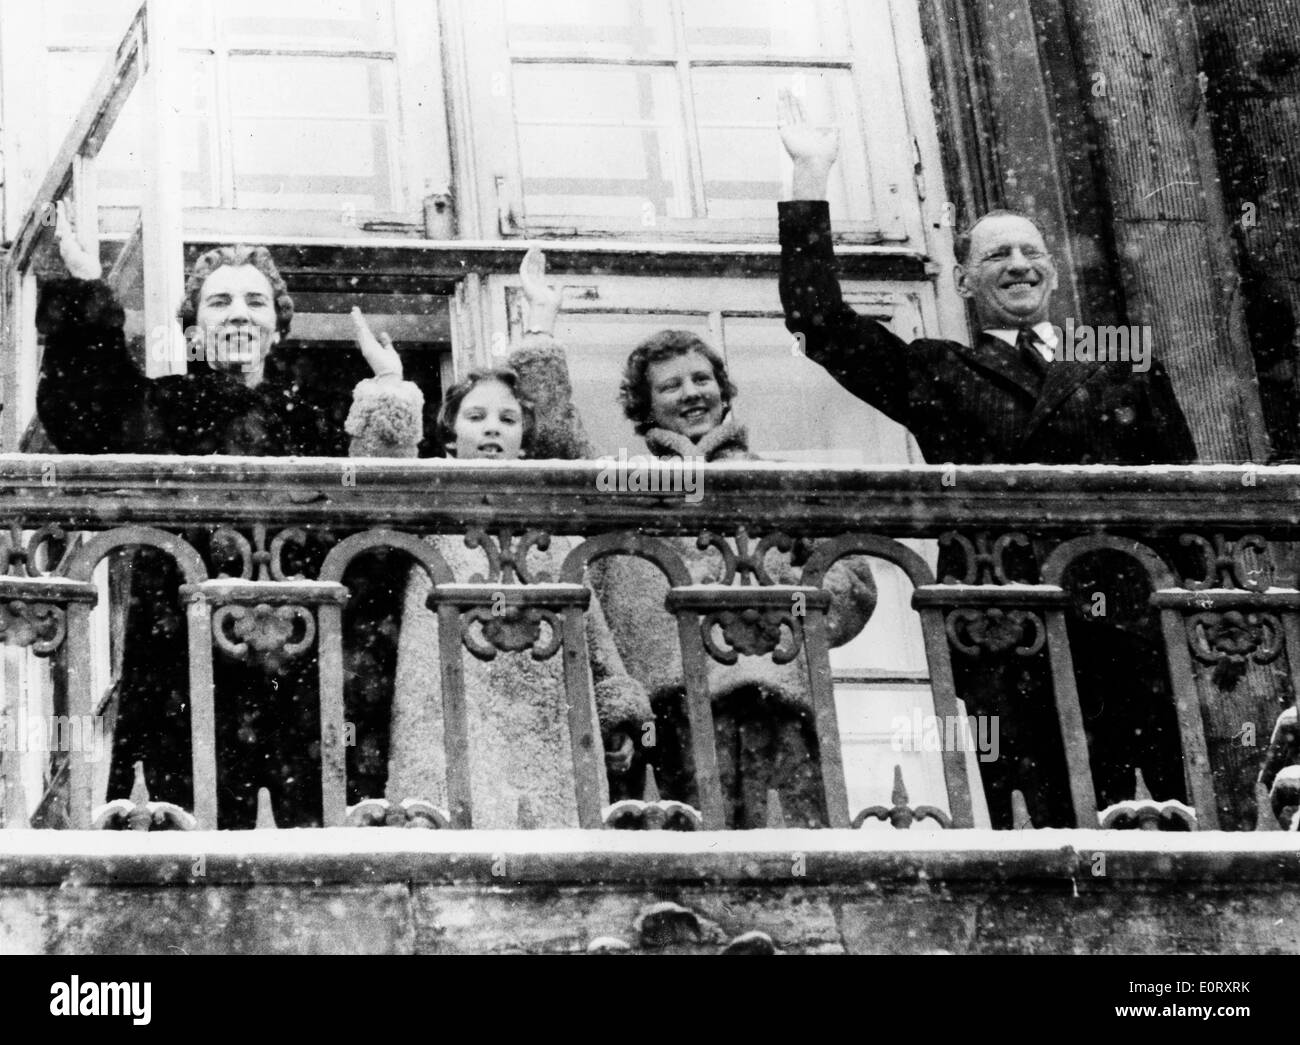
point(456, 395)
point(634, 391)
point(260, 259)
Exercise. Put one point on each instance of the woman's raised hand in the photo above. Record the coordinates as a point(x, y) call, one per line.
point(813, 149)
point(80, 263)
point(543, 299)
point(379, 352)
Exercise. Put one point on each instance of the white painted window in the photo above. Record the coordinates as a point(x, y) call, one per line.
point(295, 117)
point(657, 118)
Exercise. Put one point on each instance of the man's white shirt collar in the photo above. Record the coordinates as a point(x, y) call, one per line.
point(1045, 332)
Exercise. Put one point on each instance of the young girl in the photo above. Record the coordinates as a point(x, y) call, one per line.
point(520, 756)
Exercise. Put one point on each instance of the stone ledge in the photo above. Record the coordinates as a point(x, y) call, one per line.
point(1045, 859)
point(400, 891)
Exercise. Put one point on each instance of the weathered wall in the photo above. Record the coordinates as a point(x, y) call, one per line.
point(1170, 231)
point(1008, 103)
point(1090, 115)
point(1250, 50)
point(400, 891)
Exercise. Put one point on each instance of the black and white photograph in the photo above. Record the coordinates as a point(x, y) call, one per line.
point(651, 477)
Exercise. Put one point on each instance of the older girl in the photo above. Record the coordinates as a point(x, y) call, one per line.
point(678, 396)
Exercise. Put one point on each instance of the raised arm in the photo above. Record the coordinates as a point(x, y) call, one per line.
point(91, 397)
point(812, 149)
point(861, 354)
point(543, 368)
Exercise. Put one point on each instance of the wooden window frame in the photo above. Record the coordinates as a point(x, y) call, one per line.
point(418, 133)
point(885, 102)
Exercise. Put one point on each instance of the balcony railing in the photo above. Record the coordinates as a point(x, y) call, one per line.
point(1240, 608)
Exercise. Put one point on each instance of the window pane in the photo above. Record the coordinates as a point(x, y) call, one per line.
point(745, 165)
point(307, 87)
point(69, 78)
point(871, 748)
point(305, 24)
point(815, 28)
point(594, 28)
point(101, 23)
point(312, 133)
point(598, 345)
point(601, 141)
point(99, 20)
point(795, 410)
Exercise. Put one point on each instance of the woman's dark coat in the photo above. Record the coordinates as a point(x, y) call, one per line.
point(91, 399)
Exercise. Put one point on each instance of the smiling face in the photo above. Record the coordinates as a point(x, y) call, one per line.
point(236, 315)
point(489, 423)
point(1009, 275)
point(684, 395)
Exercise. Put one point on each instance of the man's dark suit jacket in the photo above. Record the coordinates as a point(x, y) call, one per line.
point(973, 405)
point(985, 405)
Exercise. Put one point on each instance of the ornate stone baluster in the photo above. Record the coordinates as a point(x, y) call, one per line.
point(494, 613)
point(982, 614)
point(699, 707)
point(761, 619)
point(333, 728)
point(1223, 622)
point(39, 610)
point(265, 618)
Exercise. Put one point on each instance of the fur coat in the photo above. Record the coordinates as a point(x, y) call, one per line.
point(92, 398)
point(763, 717)
point(521, 763)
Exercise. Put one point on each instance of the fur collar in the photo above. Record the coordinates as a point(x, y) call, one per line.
point(728, 440)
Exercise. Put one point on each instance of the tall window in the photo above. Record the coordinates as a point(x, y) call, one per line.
point(311, 117)
point(658, 117)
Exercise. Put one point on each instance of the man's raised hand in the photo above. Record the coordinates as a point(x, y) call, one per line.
point(813, 149)
point(379, 352)
point(80, 263)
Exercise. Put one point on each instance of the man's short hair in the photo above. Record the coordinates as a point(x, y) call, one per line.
point(260, 259)
point(961, 243)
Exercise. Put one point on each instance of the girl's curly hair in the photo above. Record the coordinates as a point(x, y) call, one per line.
point(634, 391)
